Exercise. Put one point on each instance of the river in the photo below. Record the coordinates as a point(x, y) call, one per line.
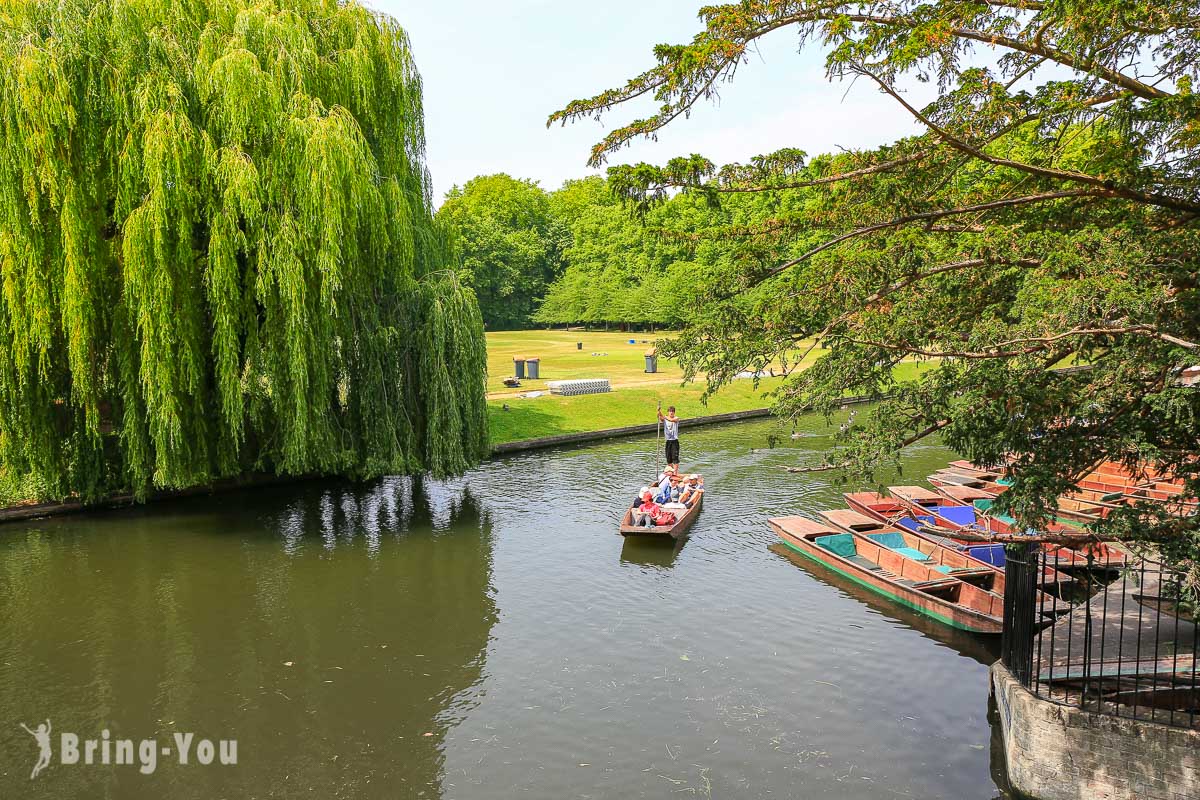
point(488, 637)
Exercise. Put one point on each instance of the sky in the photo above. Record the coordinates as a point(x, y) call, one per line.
point(494, 71)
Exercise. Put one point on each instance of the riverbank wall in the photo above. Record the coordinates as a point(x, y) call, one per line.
point(544, 442)
point(1059, 752)
point(640, 430)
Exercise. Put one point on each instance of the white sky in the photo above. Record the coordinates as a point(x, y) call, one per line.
point(494, 71)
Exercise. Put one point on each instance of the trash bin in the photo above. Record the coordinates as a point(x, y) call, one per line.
point(519, 366)
point(579, 345)
point(651, 361)
point(532, 364)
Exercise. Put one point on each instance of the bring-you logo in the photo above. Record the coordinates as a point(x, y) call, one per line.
point(107, 750)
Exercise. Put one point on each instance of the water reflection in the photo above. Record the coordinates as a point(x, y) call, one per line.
point(646, 551)
point(985, 650)
point(340, 667)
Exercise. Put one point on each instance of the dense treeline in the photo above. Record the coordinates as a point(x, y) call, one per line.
point(581, 254)
point(218, 250)
point(511, 243)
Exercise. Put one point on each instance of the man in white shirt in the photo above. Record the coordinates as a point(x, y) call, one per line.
point(671, 434)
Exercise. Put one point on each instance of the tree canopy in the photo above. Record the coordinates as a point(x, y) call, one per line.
point(1046, 216)
point(217, 250)
point(511, 243)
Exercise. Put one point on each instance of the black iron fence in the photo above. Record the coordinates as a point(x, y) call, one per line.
point(1102, 631)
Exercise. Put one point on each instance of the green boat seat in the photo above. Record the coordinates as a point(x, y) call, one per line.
point(841, 544)
point(943, 569)
point(891, 540)
point(911, 552)
point(894, 541)
point(985, 506)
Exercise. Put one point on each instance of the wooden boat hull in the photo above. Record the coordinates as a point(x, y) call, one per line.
point(676, 531)
point(933, 607)
point(857, 502)
point(985, 575)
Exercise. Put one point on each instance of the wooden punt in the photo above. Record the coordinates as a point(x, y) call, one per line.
point(903, 580)
point(947, 477)
point(963, 494)
point(946, 559)
point(676, 531)
point(952, 514)
point(947, 513)
point(892, 512)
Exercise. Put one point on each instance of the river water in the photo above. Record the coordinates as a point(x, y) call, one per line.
point(489, 637)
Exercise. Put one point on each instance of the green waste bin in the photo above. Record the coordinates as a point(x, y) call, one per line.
point(519, 366)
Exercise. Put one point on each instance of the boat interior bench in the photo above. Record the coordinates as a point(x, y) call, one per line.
point(895, 542)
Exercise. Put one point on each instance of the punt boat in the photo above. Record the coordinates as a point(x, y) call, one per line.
point(884, 571)
point(952, 515)
point(683, 523)
point(948, 560)
point(892, 512)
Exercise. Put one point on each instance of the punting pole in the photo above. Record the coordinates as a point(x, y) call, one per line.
point(657, 449)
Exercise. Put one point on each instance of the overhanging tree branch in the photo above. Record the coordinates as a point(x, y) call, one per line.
point(935, 215)
point(1045, 172)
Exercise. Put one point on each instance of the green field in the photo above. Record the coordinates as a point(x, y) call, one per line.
point(635, 394)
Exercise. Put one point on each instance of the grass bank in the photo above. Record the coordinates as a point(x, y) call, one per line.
point(635, 394)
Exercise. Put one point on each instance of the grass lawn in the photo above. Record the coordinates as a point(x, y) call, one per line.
point(620, 362)
point(635, 394)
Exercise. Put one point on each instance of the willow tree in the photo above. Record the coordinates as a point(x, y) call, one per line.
point(1047, 215)
point(217, 250)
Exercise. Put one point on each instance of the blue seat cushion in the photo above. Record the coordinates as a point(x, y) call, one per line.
point(959, 515)
point(988, 553)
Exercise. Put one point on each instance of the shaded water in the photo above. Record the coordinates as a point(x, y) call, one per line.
point(488, 637)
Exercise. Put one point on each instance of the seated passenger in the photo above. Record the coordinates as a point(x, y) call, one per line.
point(643, 515)
point(640, 498)
point(665, 491)
point(691, 492)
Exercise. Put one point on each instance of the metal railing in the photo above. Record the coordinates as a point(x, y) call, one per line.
point(1102, 634)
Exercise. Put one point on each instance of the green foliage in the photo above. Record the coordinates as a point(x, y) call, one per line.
point(217, 252)
point(644, 269)
point(511, 244)
point(1040, 220)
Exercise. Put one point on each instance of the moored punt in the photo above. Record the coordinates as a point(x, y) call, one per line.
point(893, 512)
point(970, 468)
point(946, 559)
point(955, 514)
point(904, 580)
point(1103, 556)
point(948, 477)
point(682, 523)
point(963, 494)
point(947, 513)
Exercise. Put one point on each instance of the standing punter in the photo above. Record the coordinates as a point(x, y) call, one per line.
point(671, 434)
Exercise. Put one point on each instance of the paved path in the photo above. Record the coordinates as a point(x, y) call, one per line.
point(1127, 637)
